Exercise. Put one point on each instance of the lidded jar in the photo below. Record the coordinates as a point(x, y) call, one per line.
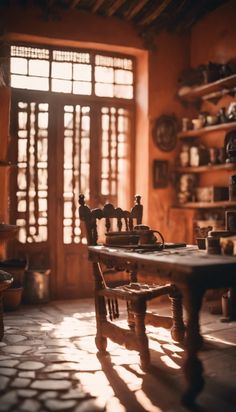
point(184, 155)
point(194, 156)
point(232, 187)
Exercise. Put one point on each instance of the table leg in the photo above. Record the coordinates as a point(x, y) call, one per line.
point(139, 310)
point(178, 328)
point(193, 368)
point(100, 308)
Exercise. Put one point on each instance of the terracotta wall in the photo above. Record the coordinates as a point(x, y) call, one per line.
point(166, 63)
point(213, 38)
point(4, 171)
point(70, 25)
point(77, 29)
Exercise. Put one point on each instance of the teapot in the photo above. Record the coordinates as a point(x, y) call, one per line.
point(146, 235)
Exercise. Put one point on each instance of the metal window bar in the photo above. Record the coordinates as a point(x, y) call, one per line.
point(36, 197)
point(73, 175)
point(51, 54)
point(27, 229)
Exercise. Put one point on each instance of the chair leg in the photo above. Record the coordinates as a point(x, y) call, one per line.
point(101, 315)
point(178, 328)
point(139, 309)
point(130, 313)
point(130, 316)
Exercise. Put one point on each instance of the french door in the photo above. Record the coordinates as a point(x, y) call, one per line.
point(64, 146)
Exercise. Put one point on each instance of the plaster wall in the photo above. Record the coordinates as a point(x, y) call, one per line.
point(4, 171)
point(166, 63)
point(82, 30)
point(213, 39)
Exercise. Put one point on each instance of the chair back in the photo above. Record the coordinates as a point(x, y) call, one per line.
point(124, 220)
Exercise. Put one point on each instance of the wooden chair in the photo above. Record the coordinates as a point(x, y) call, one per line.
point(134, 293)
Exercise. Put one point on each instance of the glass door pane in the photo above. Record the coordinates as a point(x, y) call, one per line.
point(76, 167)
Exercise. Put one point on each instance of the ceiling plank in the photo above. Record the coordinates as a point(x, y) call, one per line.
point(181, 5)
point(156, 13)
point(97, 5)
point(115, 6)
point(135, 9)
point(74, 3)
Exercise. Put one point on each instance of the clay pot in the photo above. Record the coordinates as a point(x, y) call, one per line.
point(201, 242)
point(211, 120)
point(197, 123)
point(12, 297)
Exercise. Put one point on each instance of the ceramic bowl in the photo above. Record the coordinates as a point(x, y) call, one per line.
point(201, 242)
point(197, 124)
point(211, 120)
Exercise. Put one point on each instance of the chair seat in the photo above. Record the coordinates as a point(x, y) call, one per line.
point(134, 291)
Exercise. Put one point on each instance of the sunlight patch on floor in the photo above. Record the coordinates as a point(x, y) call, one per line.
point(169, 362)
point(132, 381)
point(218, 340)
point(114, 405)
point(145, 402)
point(172, 347)
point(96, 384)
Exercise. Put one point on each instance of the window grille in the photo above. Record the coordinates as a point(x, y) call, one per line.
point(32, 175)
point(72, 72)
point(82, 73)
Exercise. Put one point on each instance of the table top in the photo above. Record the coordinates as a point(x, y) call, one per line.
point(177, 264)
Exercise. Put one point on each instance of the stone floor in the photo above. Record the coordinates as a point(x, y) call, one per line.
point(48, 362)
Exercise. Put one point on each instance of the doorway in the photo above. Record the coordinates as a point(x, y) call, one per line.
point(64, 145)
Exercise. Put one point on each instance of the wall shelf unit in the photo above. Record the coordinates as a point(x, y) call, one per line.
point(207, 129)
point(207, 168)
point(225, 85)
point(209, 175)
point(208, 205)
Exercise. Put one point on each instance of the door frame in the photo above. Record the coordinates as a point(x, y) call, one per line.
point(56, 102)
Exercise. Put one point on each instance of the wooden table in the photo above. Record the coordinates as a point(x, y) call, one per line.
point(193, 271)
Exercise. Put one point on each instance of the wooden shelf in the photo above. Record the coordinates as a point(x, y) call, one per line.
point(208, 205)
point(206, 168)
point(207, 129)
point(197, 92)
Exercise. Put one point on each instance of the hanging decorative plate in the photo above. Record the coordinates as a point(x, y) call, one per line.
point(165, 132)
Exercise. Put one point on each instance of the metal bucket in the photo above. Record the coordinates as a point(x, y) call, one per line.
point(36, 287)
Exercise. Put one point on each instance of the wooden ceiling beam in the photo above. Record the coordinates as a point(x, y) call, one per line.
point(134, 9)
point(74, 3)
point(97, 5)
point(51, 3)
point(155, 14)
point(115, 6)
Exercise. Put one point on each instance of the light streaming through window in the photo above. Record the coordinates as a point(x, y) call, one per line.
point(32, 172)
point(71, 72)
point(76, 167)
